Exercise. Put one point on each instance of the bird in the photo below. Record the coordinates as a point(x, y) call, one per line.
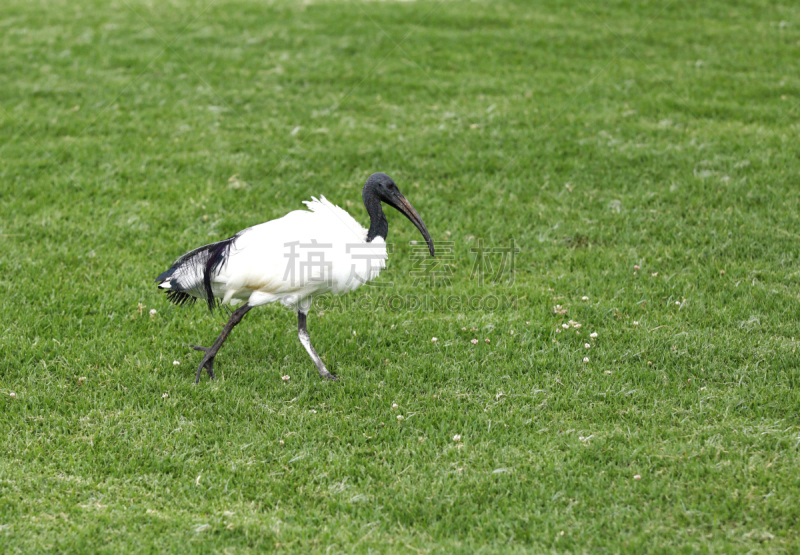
point(290, 260)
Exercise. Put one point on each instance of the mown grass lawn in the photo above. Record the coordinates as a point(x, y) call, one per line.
point(598, 136)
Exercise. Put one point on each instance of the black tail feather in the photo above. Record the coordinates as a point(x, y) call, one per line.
point(180, 298)
point(190, 276)
point(164, 276)
point(217, 255)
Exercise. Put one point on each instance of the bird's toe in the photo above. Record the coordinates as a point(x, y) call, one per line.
point(208, 364)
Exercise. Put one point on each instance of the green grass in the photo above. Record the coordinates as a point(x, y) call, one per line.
point(597, 135)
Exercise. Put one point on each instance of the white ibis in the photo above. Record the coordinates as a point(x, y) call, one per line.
point(291, 259)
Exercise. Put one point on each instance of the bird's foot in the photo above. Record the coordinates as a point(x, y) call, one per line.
point(207, 362)
point(323, 373)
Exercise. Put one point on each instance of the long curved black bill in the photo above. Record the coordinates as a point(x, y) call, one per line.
point(402, 205)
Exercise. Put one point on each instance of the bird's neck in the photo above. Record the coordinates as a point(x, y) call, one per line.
point(378, 225)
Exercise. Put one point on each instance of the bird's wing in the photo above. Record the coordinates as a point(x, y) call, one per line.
point(339, 218)
point(290, 254)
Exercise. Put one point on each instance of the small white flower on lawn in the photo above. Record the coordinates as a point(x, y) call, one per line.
point(636, 267)
point(635, 323)
point(153, 312)
point(354, 332)
point(399, 416)
point(394, 405)
point(286, 378)
point(434, 340)
point(593, 334)
point(608, 371)
point(678, 303)
point(585, 359)
point(527, 323)
point(281, 442)
point(12, 395)
point(587, 346)
point(165, 395)
point(312, 411)
point(654, 274)
point(457, 438)
point(577, 325)
point(487, 340)
point(474, 341)
point(584, 298)
point(463, 329)
point(702, 388)
point(175, 363)
point(512, 332)
point(558, 330)
point(565, 326)
point(637, 477)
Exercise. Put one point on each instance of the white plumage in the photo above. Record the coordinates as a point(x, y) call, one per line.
point(290, 260)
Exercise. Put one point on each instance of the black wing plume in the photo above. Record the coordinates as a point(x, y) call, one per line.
point(190, 276)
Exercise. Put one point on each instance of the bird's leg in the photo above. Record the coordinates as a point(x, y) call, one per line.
point(305, 339)
point(211, 352)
